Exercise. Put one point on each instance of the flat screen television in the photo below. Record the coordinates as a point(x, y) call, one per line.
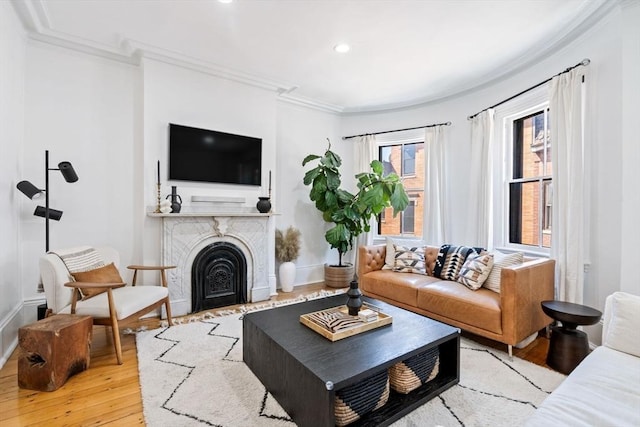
point(211, 156)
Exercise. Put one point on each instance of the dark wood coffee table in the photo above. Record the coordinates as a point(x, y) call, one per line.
point(303, 370)
point(568, 346)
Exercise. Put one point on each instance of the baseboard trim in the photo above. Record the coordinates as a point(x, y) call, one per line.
point(9, 326)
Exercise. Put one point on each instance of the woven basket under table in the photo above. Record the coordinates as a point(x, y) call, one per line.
point(408, 375)
point(354, 401)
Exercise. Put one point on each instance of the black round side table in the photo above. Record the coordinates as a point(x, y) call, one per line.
point(568, 345)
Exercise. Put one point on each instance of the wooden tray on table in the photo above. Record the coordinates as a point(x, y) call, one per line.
point(335, 323)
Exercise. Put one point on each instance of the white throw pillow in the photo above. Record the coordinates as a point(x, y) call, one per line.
point(500, 261)
point(475, 270)
point(621, 333)
point(390, 255)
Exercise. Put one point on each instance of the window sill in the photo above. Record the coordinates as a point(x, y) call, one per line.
point(526, 251)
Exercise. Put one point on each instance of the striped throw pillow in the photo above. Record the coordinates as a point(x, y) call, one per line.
point(500, 261)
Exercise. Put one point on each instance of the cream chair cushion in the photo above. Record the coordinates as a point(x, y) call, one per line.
point(128, 300)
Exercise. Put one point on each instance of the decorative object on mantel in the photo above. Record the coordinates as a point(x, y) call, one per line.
point(264, 204)
point(176, 200)
point(287, 251)
point(350, 213)
point(354, 302)
point(158, 189)
point(165, 206)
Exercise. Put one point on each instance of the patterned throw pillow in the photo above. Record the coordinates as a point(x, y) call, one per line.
point(475, 270)
point(450, 260)
point(409, 260)
point(501, 260)
point(390, 256)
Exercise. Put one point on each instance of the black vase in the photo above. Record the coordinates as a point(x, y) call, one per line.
point(354, 302)
point(176, 200)
point(264, 204)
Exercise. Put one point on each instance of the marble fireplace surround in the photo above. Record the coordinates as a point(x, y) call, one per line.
point(184, 235)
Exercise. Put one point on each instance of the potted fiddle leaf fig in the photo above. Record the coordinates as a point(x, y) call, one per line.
point(350, 213)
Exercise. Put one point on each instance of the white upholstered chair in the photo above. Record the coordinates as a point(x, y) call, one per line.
point(115, 307)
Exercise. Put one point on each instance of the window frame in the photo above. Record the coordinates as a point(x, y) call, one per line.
point(540, 180)
point(527, 104)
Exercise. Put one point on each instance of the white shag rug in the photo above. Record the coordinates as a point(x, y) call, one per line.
point(193, 375)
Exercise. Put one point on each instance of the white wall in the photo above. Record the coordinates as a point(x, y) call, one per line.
point(630, 230)
point(603, 44)
point(302, 131)
point(12, 65)
point(79, 107)
point(177, 95)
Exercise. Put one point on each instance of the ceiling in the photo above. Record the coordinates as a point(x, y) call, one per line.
point(403, 52)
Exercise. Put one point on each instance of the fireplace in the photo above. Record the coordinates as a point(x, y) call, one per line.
point(218, 277)
point(246, 269)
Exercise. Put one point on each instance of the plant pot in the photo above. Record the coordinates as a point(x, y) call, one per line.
point(287, 273)
point(336, 276)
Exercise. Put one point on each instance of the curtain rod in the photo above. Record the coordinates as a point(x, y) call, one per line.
point(398, 130)
point(584, 62)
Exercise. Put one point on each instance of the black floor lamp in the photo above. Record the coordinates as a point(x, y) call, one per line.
point(34, 193)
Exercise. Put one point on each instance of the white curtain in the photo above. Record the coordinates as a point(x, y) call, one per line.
point(434, 209)
point(479, 216)
point(366, 150)
point(567, 136)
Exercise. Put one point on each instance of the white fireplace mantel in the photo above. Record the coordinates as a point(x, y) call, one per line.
point(185, 234)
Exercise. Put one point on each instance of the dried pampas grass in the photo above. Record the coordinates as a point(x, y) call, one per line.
point(287, 244)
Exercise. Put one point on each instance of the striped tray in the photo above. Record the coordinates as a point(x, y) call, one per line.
point(336, 323)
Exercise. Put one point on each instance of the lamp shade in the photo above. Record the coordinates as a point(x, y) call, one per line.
point(54, 214)
point(29, 190)
point(67, 171)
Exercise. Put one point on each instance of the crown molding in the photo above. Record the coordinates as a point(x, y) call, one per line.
point(311, 103)
point(139, 50)
point(591, 13)
point(35, 19)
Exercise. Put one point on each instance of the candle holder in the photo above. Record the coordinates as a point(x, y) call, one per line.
point(158, 202)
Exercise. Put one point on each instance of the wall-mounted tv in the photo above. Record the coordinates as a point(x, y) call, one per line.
point(211, 156)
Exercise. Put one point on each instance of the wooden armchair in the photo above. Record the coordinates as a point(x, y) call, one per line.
point(116, 305)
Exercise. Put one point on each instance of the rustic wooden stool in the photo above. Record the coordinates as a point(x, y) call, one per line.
point(52, 350)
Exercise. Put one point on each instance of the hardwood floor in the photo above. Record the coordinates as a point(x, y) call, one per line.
point(109, 394)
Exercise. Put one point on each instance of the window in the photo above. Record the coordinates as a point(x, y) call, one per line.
point(408, 219)
point(530, 184)
point(409, 159)
point(404, 156)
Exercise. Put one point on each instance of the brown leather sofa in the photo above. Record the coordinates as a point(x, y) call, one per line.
point(508, 317)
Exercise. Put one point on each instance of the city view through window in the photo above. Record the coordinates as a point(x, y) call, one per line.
point(530, 189)
point(406, 160)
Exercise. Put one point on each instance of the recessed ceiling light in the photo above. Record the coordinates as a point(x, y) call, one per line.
point(225, 1)
point(342, 48)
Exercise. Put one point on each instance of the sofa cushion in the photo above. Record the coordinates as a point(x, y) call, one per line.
point(395, 286)
point(622, 320)
point(601, 391)
point(455, 301)
point(475, 270)
point(501, 260)
point(450, 260)
point(409, 259)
